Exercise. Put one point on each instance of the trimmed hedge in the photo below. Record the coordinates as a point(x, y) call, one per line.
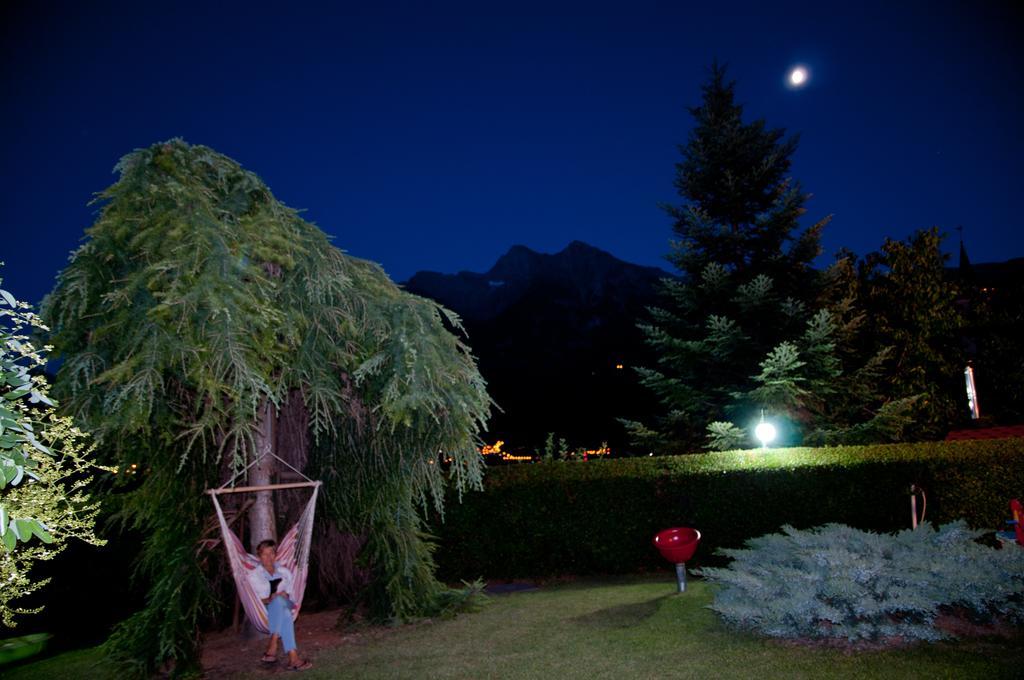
point(564, 518)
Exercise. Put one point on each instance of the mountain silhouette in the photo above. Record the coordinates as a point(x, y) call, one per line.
point(556, 339)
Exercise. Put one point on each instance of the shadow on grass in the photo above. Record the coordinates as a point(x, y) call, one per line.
point(621, 616)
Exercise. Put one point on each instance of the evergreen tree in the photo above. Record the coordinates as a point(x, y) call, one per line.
point(912, 303)
point(204, 323)
point(750, 325)
point(741, 208)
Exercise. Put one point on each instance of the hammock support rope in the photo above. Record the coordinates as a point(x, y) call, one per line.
point(292, 551)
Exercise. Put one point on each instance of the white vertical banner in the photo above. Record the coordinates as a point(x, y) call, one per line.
point(972, 393)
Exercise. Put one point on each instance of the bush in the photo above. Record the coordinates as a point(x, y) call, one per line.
point(45, 463)
point(599, 517)
point(839, 582)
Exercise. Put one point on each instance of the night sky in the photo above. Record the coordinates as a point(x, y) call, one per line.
point(435, 135)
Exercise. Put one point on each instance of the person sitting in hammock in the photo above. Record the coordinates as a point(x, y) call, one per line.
point(272, 583)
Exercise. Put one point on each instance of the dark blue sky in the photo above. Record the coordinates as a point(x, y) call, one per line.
point(436, 135)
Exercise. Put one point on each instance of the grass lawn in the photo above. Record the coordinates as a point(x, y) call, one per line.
point(625, 628)
point(80, 664)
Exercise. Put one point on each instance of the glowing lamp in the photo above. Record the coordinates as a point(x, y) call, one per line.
point(765, 433)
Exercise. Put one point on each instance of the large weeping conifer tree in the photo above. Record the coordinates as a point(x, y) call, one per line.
point(202, 323)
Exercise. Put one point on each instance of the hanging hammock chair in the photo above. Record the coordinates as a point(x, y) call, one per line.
point(292, 550)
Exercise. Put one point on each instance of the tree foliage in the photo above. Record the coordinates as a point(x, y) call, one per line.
point(741, 206)
point(751, 325)
point(912, 305)
point(197, 298)
point(45, 464)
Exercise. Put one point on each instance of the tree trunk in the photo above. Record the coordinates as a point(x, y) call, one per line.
point(262, 520)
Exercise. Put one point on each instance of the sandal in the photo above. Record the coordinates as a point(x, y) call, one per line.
point(268, 659)
point(304, 666)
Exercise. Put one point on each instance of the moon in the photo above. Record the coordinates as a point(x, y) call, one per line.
point(798, 76)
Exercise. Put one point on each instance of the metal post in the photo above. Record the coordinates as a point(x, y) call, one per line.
point(681, 576)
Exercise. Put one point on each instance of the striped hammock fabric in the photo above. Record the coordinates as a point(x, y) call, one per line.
point(292, 553)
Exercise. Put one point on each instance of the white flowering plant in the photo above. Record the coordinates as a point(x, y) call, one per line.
point(45, 467)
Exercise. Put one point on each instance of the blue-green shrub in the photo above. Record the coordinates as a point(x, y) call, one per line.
point(838, 582)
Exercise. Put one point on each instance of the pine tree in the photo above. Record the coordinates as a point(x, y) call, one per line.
point(750, 325)
point(740, 207)
point(747, 278)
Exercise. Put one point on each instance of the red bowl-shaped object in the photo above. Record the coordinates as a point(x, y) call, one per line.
point(677, 544)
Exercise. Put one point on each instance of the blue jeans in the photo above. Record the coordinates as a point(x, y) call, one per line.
point(279, 613)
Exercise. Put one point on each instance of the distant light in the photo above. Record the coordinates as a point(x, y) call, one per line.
point(765, 432)
point(798, 77)
point(619, 367)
